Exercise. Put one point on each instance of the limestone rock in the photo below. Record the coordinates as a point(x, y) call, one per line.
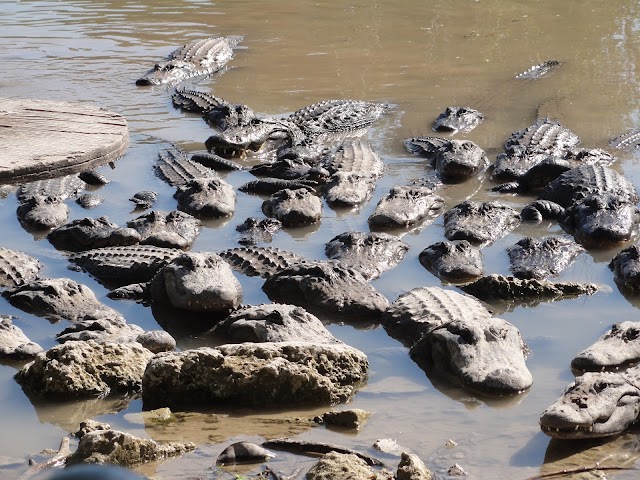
point(334, 466)
point(85, 369)
point(254, 374)
point(120, 448)
point(412, 468)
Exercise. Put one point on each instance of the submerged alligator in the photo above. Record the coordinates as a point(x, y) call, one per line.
point(329, 120)
point(196, 59)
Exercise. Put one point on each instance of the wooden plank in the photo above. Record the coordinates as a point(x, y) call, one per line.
point(43, 139)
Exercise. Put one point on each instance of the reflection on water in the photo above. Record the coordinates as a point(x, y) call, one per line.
point(419, 56)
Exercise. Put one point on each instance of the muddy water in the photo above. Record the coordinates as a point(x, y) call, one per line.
point(420, 56)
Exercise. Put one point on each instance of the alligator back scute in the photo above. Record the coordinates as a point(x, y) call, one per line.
point(17, 268)
point(626, 141)
point(59, 188)
point(260, 261)
point(539, 71)
point(175, 168)
point(120, 266)
point(423, 308)
point(355, 156)
point(586, 180)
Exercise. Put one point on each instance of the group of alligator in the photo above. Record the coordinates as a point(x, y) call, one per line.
point(319, 151)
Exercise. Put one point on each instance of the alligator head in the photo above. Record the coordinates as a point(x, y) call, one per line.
point(595, 405)
point(485, 355)
point(626, 267)
point(618, 347)
point(171, 71)
point(236, 141)
point(601, 220)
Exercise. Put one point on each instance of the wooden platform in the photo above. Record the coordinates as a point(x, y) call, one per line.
point(43, 139)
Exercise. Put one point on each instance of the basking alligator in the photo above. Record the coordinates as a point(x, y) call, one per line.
point(454, 335)
point(456, 262)
point(594, 405)
point(616, 348)
point(542, 257)
point(329, 120)
point(196, 59)
point(320, 287)
point(217, 111)
point(626, 268)
point(479, 222)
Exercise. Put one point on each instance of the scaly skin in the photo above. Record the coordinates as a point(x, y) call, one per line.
point(594, 405)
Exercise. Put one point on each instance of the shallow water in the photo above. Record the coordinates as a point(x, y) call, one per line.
point(420, 56)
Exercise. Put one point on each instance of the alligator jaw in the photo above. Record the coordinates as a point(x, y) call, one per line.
point(595, 405)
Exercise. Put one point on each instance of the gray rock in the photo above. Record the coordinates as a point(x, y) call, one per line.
point(272, 323)
point(14, 344)
point(333, 466)
point(59, 298)
point(353, 418)
point(198, 282)
point(85, 369)
point(412, 468)
point(254, 374)
point(120, 448)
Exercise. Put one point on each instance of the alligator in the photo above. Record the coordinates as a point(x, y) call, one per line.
point(618, 347)
point(529, 146)
point(273, 322)
point(479, 222)
point(195, 60)
point(586, 180)
point(254, 230)
point(216, 162)
point(455, 262)
point(329, 120)
point(320, 287)
point(498, 287)
point(457, 119)
point(601, 220)
point(17, 268)
point(59, 299)
point(175, 168)
point(370, 253)
point(42, 213)
point(539, 71)
point(217, 111)
point(542, 257)
point(118, 266)
point(404, 206)
point(289, 169)
point(294, 208)
point(595, 405)
point(196, 282)
point(454, 160)
point(593, 202)
point(270, 186)
point(626, 268)
point(206, 198)
point(14, 344)
point(354, 169)
point(88, 233)
point(626, 141)
point(418, 311)
point(93, 177)
point(166, 229)
point(58, 188)
point(486, 355)
point(348, 189)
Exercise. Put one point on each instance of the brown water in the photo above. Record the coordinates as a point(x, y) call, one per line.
point(420, 56)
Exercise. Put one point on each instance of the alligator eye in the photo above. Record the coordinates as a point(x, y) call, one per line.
point(631, 334)
point(254, 122)
point(599, 387)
